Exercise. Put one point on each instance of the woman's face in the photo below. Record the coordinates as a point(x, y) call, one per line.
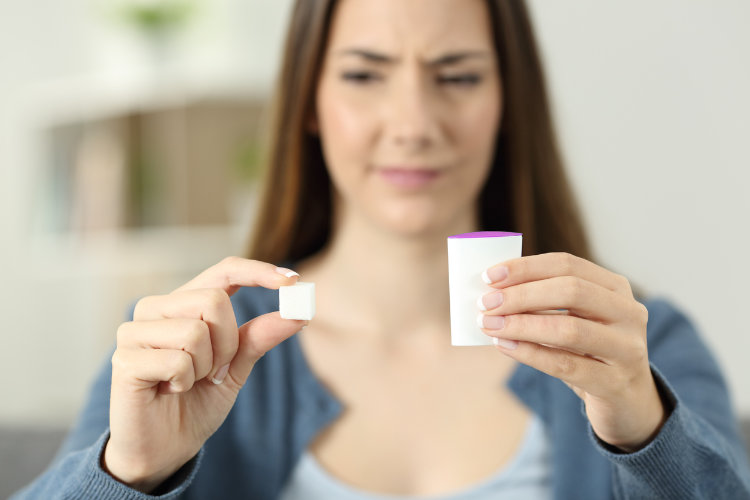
point(407, 108)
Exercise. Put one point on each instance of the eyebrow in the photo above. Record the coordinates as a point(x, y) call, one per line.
point(443, 60)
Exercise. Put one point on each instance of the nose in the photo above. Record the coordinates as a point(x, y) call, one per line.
point(412, 122)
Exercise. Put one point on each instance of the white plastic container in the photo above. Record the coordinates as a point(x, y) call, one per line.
point(470, 254)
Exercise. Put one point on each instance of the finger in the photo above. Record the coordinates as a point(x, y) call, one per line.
point(563, 331)
point(550, 265)
point(234, 272)
point(580, 297)
point(212, 306)
point(257, 337)
point(190, 335)
point(575, 389)
point(171, 369)
point(583, 372)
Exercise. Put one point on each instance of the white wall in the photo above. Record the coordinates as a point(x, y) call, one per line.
point(650, 97)
point(653, 107)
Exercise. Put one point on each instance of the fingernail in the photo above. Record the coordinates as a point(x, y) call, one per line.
point(286, 272)
point(490, 301)
point(505, 343)
point(220, 374)
point(494, 274)
point(480, 304)
point(491, 322)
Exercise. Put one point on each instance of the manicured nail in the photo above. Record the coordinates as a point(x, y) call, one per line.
point(490, 322)
point(505, 343)
point(490, 301)
point(286, 272)
point(494, 274)
point(220, 374)
point(493, 322)
point(480, 304)
point(485, 277)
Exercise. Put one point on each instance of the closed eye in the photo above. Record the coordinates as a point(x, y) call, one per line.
point(465, 80)
point(360, 77)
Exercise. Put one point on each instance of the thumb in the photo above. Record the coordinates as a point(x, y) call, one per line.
point(258, 336)
point(575, 389)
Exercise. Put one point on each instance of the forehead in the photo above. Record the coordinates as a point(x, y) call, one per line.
point(425, 27)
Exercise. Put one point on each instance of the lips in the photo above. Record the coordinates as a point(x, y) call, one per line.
point(406, 177)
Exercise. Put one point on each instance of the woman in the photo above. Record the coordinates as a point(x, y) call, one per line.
point(397, 124)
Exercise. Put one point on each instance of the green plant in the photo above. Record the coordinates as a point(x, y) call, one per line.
point(248, 160)
point(158, 16)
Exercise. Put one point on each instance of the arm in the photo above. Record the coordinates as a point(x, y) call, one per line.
point(698, 453)
point(76, 471)
point(578, 322)
point(175, 375)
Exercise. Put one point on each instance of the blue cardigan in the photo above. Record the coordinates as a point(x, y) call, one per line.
point(697, 454)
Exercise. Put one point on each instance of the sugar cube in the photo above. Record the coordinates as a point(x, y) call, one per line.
point(297, 301)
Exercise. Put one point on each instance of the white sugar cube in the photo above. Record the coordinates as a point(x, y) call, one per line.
point(297, 301)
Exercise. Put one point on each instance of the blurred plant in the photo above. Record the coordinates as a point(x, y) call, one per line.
point(157, 17)
point(146, 189)
point(248, 163)
point(158, 22)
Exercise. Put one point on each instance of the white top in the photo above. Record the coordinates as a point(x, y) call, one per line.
point(526, 476)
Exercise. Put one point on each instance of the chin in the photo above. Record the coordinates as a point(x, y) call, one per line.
point(414, 222)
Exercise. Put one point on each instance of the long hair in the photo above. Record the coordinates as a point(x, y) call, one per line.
point(526, 191)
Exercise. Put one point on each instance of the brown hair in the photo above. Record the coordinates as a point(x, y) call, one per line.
point(526, 190)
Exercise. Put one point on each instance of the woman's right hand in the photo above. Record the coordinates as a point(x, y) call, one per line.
point(179, 366)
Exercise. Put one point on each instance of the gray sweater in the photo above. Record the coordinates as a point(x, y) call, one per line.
point(697, 454)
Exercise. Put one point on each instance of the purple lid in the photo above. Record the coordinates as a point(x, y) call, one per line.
point(485, 234)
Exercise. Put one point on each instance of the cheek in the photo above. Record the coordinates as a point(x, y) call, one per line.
point(478, 128)
point(346, 129)
point(475, 131)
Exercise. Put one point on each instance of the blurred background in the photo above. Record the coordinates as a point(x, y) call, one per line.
point(129, 154)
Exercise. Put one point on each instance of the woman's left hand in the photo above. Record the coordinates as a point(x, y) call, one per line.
point(579, 322)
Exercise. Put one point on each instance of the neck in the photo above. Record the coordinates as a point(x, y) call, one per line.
point(384, 284)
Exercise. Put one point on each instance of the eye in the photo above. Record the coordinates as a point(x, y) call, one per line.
point(463, 80)
point(360, 77)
